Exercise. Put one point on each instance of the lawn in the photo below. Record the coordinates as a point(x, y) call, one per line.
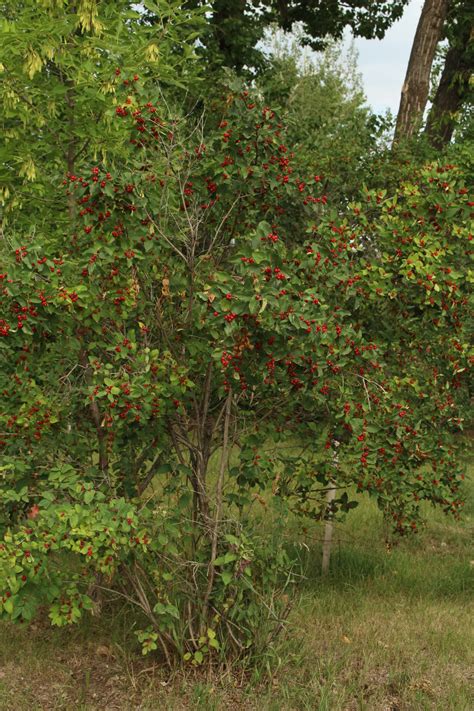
point(390, 629)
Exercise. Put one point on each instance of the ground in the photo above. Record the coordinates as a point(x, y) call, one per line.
point(387, 630)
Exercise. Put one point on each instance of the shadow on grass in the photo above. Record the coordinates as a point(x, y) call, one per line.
point(403, 571)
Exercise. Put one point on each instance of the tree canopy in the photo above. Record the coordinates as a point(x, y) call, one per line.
point(234, 28)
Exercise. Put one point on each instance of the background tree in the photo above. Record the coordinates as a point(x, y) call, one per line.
point(234, 28)
point(54, 115)
point(322, 100)
point(415, 88)
point(454, 90)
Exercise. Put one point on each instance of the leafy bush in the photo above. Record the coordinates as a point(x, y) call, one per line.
point(177, 354)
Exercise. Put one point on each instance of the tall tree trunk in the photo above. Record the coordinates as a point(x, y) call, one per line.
point(452, 90)
point(417, 80)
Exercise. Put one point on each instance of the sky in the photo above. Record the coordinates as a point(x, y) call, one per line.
point(383, 63)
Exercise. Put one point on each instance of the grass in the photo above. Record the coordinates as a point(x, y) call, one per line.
point(385, 631)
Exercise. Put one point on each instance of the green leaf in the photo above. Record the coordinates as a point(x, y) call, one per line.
point(8, 605)
point(226, 577)
point(88, 496)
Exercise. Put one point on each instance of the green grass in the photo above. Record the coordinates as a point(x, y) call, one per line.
point(384, 631)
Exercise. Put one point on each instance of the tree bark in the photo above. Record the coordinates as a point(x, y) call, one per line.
point(417, 80)
point(452, 90)
point(216, 526)
point(328, 531)
point(96, 418)
point(328, 528)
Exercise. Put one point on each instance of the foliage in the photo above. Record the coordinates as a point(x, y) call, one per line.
point(190, 330)
point(234, 29)
point(60, 68)
point(329, 122)
point(204, 302)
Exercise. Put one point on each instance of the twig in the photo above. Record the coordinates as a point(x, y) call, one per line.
point(218, 510)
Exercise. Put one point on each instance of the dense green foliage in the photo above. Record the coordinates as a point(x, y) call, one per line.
point(190, 323)
point(234, 29)
point(329, 124)
point(59, 70)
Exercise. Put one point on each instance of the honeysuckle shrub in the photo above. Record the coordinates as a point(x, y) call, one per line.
point(178, 354)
